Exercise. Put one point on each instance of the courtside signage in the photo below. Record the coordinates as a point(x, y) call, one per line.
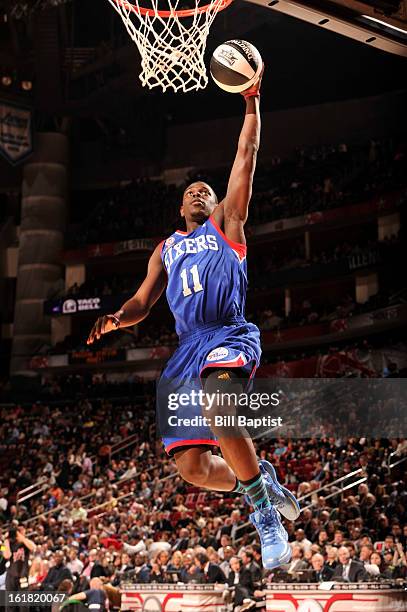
point(71, 306)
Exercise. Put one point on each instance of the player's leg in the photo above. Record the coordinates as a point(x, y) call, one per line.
point(236, 445)
point(200, 467)
point(238, 449)
point(239, 453)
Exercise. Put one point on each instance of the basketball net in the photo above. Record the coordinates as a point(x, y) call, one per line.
point(171, 43)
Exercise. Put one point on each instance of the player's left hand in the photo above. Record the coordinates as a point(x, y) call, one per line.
point(103, 326)
point(254, 90)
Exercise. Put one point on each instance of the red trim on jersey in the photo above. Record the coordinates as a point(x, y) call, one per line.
point(190, 443)
point(162, 245)
point(181, 232)
point(236, 363)
point(240, 249)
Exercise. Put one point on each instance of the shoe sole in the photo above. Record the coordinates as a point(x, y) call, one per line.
point(292, 511)
point(285, 558)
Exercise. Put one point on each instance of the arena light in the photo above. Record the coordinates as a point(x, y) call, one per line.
point(6, 81)
point(26, 85)
point(383, 23)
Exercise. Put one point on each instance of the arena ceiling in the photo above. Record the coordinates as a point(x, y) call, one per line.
point(378, 23)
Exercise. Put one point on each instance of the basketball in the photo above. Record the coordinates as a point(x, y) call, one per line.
point(236, 65)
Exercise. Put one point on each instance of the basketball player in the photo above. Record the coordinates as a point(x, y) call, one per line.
point(204, 270)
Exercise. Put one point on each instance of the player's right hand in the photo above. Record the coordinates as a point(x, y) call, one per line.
point(103, 325)
point(255, 88)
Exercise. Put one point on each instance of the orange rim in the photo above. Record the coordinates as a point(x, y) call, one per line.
point(219, 4)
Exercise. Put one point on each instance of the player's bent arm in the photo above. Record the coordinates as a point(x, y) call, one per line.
point(137, 308)
point(239, 191)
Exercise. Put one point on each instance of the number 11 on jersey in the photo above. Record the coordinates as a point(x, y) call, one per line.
point(195, 279)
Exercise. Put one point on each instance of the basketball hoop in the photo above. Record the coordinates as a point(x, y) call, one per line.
point(171, 42)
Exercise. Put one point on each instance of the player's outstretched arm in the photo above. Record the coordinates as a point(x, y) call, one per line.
point(138, 307)
point(239, 191)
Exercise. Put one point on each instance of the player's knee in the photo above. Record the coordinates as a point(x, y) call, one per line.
point(196, 473)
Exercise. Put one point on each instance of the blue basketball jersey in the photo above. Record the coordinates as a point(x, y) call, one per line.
point(207, 276)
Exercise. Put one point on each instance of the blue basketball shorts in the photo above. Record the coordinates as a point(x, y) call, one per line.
point(234, 343)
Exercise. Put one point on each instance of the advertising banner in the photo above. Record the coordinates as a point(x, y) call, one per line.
point(93, 357)
point(172, 598)
point(278, 598)
point(355, 598)
point(109, 249)
point(74, 305)
point(16, 139)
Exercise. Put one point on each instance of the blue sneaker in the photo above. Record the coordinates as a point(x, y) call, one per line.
point(275, 549)
point(280, 497)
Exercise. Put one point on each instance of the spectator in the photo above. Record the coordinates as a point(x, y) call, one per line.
point(206, 539)
point(94, 596)
point(251, 565)
point(351, 548)
point(348, 570)
point(211, 572)
point(74, 564)
point(3, 504)
point(228, 553)
point(242, 580)
point(17, 549)
point(175, 566)
point(142, 568)
point(135, 545)
point(3, 567)
point(38, 571)
point(323, 540)
point(162, 523)
point(157, 573)
point(102, 568)
point(92, 557)
point(57, 573)
point(225, 541)
point(301, 540)
point(189, 568)
point(78, 513)
point(365, 553)
point(297, 562)
point(375, 566)
point(321, 572)
point(182, 542)
point(338, 538)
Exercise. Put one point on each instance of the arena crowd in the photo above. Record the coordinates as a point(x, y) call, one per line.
point(125, 515)
point(313, 179)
